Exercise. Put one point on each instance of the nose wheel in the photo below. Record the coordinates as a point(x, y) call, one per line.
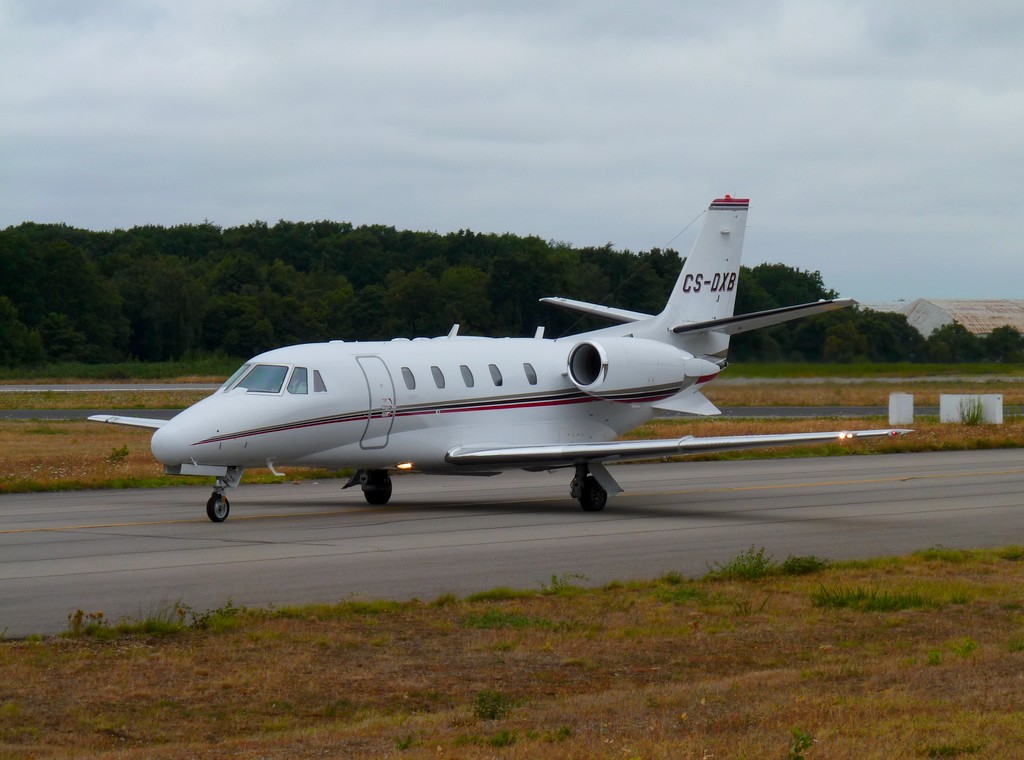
point(217, 507)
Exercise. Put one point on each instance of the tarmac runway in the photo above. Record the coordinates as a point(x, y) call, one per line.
point(133, 552)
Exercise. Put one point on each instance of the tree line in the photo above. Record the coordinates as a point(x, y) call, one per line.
point(158, 293)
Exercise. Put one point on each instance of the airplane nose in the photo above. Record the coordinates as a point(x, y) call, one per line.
point(169, 443)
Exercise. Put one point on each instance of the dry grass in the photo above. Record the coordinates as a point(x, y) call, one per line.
point(42, 455)
point(839, 393)
point(666, 669)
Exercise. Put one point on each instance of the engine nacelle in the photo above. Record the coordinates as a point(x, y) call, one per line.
point(634, 369)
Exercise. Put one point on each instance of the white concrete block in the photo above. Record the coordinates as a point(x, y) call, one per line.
point(901, 408)
point(962, 408)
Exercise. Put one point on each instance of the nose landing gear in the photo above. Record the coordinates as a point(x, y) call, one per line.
point(218, 506)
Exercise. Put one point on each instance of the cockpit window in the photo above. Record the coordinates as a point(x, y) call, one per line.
point(300, 381)
point(318, 383)
point(264, 378)
point(230, 382)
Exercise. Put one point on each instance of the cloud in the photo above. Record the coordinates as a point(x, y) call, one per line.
point(879, 143)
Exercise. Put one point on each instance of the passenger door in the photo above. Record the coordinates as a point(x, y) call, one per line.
point(380, 402)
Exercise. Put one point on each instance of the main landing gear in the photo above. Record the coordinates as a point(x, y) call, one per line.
point(586, 490)
point(218, 506)
point(376, 485)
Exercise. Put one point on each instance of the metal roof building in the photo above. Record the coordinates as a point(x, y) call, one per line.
point(979, 317)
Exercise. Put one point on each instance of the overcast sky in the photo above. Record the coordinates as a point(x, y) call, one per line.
point(881, 143)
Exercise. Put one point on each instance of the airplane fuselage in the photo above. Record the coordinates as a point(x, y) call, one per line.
point(377, 405)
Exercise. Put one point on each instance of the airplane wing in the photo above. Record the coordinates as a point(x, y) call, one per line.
point(142, 422)
point(608, 312)
point(565, 454)
point(743, 322)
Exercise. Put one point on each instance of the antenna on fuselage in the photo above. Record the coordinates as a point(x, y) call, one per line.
point(454, 331)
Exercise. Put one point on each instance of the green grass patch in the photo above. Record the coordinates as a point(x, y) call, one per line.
point(871, 599)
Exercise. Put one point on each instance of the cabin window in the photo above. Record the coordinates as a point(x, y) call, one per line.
point(467, 375)
point(495, 373)
point(318, 383)
point(299, 382)
point(230, 382)
point(410, 379)
point(438, 376)
point(264, 378)
point(531, 373)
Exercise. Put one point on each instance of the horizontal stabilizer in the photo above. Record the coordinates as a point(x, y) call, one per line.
point(562, 454)
point(596, 310)
point(142, 422)
point(744, 322)
point(688, 402)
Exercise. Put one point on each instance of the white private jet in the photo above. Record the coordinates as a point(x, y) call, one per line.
point(473, 405)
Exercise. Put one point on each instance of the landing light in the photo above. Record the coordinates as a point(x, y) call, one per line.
point(845, 436)
point(405, 466)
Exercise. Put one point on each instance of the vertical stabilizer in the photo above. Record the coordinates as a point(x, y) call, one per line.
point(706, 288)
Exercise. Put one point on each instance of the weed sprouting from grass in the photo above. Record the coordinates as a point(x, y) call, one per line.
point(118, 454)
point(801, 741)
point(934, 658)
point(793, 565)
point(562, 585)
point(870, 600)
point(951, 749)
point(445, 600)
point(496, 619)
point(406, 742)
point(227, 617)
point(560, 734)
point(964, 647)
point(681, 594)
point(750, 566)
point(940, 553)
point(492, 705)
point(1016, 643)
point(82, 623)
point(503, 739)
point(172, 619)
point(745, 606)
point(500, 594)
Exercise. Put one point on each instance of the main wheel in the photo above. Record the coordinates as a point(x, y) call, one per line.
point(592, 496)
point(217, 507)
point(378, 490)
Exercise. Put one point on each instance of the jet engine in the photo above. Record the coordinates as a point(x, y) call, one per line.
point(624, 369)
